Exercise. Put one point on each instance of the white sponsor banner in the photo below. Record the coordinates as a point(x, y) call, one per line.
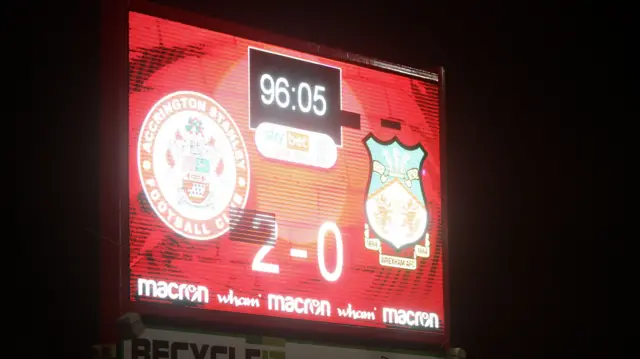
point(166, 344)
point(311, 351)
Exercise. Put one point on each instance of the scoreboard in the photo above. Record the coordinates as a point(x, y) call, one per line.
point(276, 183)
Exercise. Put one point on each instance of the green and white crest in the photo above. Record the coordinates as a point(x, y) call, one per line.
point(395, 203)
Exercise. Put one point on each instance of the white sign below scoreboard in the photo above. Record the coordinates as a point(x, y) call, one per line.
point(165, 344)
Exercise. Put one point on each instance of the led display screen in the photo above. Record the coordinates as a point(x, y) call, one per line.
point(277, 183)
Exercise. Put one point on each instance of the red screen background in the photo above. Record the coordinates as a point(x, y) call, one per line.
point(166, 57)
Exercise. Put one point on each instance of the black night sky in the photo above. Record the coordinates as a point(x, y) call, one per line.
point(535, 168)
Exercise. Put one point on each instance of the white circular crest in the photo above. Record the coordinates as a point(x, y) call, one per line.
point(193, 164)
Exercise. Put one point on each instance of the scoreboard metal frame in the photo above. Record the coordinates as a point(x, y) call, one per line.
point(114, 192)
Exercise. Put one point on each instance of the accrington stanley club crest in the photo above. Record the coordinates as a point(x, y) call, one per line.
point(193, 164)
point(395, 204)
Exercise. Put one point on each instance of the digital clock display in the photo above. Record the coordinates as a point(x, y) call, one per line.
point(264, 181)
point(297, 93)
point(305, 101)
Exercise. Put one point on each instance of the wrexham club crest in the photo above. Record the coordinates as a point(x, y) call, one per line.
point(395, 204)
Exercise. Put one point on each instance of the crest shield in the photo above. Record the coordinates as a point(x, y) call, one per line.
point(395, 204)
point(196, 187)
point(199, 160)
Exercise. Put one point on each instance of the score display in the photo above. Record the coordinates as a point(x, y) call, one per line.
point(263, 181)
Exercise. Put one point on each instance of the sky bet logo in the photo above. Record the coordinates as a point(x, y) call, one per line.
point(142, 348)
